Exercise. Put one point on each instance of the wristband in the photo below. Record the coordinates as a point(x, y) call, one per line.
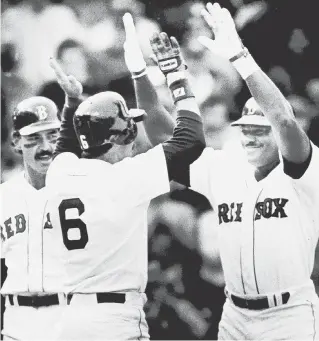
point(139, 74)
point(245, 64)
point(170, 64)
point(179, 86)
point(243, 53)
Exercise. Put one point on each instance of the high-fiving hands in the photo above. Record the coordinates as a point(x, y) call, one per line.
point(168, 57)
point(167, 53)
point(132, 52)
point(226, 42)
point(69, 84)
point(170, 61)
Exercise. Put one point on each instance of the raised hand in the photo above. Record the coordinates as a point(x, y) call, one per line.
point(132, 52)
point(167, 53)
point(69, 84)
point(226, 42)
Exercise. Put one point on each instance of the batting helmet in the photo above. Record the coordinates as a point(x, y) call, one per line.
point(252, 115)
point(35, 114)
point(103, 119)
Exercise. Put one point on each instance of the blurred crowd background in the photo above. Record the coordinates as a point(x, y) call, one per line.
point(185, 290)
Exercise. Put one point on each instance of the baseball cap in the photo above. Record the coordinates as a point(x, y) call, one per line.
point(252, 115)
point(35, 114)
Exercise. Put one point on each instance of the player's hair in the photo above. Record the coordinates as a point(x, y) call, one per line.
point(14, 136)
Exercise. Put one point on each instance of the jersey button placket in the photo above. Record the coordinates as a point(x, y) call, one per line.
point(247, 241)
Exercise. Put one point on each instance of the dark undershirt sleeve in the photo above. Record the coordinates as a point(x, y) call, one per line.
point(297, 170)
point(185, 146)
point(67, 140)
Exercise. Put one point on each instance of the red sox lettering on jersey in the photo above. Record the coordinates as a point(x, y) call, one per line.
point(268, 208)
point(269, 227)
point(13, 226)
point(17, 224)
point(21, 228)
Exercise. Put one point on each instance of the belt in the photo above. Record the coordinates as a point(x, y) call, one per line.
point(104, 297)
point(35, 301)
point(259, 303)
point(49, 300)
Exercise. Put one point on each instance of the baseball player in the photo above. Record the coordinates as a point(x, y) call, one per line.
point(30, 312)
point(98, 205)
point(267, 206)
point(159, 127)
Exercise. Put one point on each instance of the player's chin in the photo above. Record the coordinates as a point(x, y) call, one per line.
point(254, 154)
point(43, 165)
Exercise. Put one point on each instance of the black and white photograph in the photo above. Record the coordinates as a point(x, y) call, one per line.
point(159, 170)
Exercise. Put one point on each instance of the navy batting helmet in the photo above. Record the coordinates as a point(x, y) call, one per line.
point(103, 119)
point(35, 114)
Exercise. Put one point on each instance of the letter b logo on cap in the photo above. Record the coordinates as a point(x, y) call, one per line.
point(42, 112)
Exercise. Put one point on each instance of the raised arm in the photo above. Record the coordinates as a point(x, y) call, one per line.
point(171, 160)
point(67, 140)
point(187, 142)
point(292, 141)
point(158, 123)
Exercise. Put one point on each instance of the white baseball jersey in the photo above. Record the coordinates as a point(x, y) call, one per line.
point(22, 224)
point(98, 213)
point(268, 230)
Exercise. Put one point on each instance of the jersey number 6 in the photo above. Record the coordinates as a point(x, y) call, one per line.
point(67, 224)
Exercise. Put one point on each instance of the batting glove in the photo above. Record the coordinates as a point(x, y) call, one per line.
point(132, 52)
point(169, 59)
point(167, 53)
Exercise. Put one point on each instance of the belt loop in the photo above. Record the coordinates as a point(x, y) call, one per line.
point(279, 299)
point(62, 299)
point(271, 301)
point(15, 299)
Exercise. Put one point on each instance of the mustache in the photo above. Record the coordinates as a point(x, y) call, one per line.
point(252, 144)
point(43, 153)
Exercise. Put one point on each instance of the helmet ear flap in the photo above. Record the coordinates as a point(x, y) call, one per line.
point(131, 131)
point(128, 135)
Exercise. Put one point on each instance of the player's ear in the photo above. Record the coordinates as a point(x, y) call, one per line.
point(16, 142)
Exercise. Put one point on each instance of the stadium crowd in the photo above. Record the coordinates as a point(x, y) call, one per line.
point(185, 288)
